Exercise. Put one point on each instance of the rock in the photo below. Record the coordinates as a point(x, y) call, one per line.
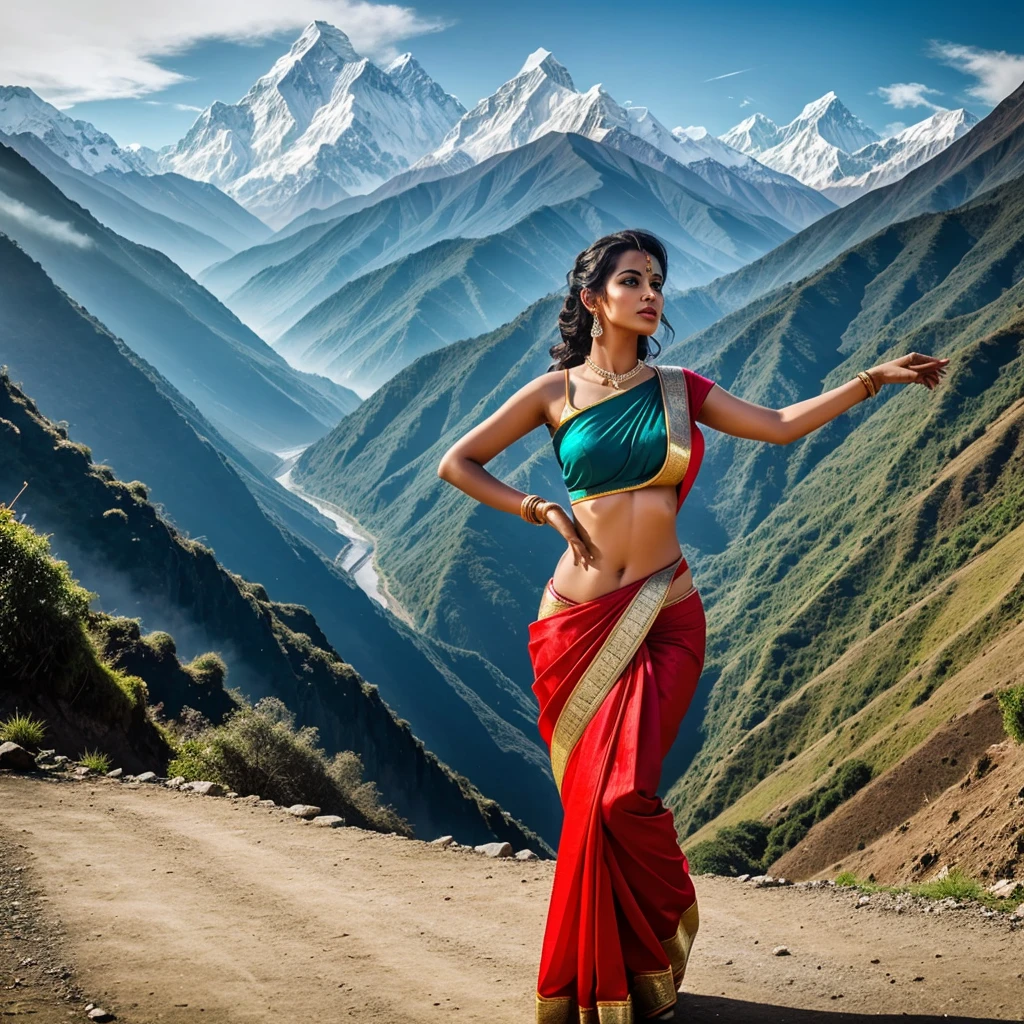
point(145, 777)
point(304, 810)
point(1003, 887)
point(743, 878)
point(60, 759)
point(205, 788)
point(176, 783)
point(230, 796)
point(266, 803)
point(115, 773)
point(781, 951)
point(98, 1013)
point(16, 758)
point(943, 873)
point(328, 821)
point(81, 772)
point(1019, 912)
point(45, 757)
point(494, 849)
point(765, 881)
point(441, 841)
point(863, 901)
point(526, 855)
point(252, 798)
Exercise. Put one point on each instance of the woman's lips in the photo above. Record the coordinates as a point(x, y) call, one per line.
point(648, 314)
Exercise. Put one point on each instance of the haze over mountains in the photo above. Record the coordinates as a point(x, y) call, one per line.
point(817, 556)
point(418, 260)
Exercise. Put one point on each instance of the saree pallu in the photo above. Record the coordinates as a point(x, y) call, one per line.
point(614, 677)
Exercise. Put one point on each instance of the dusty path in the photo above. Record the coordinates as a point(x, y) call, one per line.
point(175, 907)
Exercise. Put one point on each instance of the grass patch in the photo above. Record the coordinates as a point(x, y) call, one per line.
point(25, 730)
point(98, 762)
point(956, 885)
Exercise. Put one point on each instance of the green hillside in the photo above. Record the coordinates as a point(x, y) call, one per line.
point(460, 706)
point(108, 530)
point(800, 551)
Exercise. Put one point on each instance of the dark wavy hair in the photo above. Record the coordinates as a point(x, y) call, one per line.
point(591, 270)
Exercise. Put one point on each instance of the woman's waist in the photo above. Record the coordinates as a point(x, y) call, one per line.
point(574, 584)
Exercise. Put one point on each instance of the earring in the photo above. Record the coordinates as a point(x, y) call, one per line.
point(596, 330)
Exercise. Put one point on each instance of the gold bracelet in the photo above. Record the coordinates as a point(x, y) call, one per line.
point(534, 509)
point(869, 383)
point(528, 508)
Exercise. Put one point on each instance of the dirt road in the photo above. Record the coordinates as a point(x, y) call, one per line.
point(174, 907)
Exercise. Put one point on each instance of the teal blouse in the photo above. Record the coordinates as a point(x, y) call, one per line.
point(617, 444)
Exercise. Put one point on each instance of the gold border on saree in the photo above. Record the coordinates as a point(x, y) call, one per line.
point(608, 664)
point(677, 430)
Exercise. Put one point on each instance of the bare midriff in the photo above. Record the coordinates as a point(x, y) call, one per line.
point(631, 535)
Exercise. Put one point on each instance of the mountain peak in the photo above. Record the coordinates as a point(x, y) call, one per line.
point(323, 34)
point(543, 59)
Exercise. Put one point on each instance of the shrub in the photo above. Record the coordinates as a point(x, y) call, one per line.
point(208, 669)
point(735, 850)
point(96, 761)
point(257, 749)
point(846, 878)
point(25, 730)
point(1011, 703)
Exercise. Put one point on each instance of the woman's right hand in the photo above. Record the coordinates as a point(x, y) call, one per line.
point(560, 520)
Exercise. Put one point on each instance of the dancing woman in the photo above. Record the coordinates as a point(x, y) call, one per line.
point(618, 643)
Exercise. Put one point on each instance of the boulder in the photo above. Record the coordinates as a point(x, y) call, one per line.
point(495, 849)
point(1003, 887)
point(303, 810)
point(205, 788)
point(115, 773)
point(328, 821)
point(442, 841)
point(16, 758)
point(178, 782)
point(266, 803)
point(146, 777)
point(526, 855)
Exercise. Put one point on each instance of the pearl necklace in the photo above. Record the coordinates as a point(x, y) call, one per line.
point(614, 380)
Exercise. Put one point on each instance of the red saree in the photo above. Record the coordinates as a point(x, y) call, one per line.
point(613, 678)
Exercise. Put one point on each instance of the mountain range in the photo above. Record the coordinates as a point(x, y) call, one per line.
point(830, 149)
point(323, 122)
point(853, 580)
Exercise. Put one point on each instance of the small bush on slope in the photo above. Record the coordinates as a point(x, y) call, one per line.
point(258, 750)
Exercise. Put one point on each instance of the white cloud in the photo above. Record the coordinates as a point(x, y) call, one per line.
point(908, 94)
point(893, 128)
point(745, 102)
point(997, 72)
point(40, 224)
point(70, 52)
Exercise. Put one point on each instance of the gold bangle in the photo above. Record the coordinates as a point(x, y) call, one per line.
point(869, 384)
point(528, 508)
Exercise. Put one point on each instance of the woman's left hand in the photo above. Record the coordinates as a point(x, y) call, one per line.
point(910, 369)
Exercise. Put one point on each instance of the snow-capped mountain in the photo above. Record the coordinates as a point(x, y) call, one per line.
point(832, 150)
point(711, 147)
point(813, 147)
point(78, 143)
point(324, 122)
point(889, 160)
point(542, 98)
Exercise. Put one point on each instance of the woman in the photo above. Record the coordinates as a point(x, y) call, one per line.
point(618, 644)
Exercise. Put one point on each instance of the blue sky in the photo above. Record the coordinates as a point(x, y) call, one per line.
point(136, 70)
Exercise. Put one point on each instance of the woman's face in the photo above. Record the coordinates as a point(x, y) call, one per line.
point(633, 300)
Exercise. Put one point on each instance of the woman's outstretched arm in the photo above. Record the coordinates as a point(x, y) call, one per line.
point(733, 415)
